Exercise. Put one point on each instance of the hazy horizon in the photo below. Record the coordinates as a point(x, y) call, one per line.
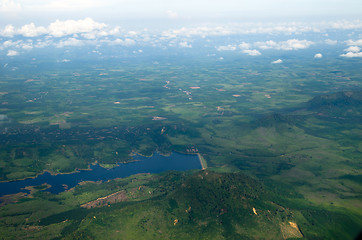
point(19, 12)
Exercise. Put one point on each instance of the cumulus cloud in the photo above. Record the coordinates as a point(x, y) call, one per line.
point(277, 61)
point(70, 42)
point(344, 24)
point(286, 28)
point(41, 43)
point(95, 34)
point(356, 43)
point(87, 27)
point(267, 45)
point(88, 31)
point(115, 31)
point(244, 45)
point(185, 45)
point(242, 28)
point(126, 42)
point(226, 48)
point(27, 46)
point(252, 52)
point(352, 54)
point(84, 26)
point(19, 44)
point(353, 49)
point(8, 31)
point(68, 27)
point(30, 30)
point(12, 53)
point(10, 43)
point(291, 44)
point(318, 55)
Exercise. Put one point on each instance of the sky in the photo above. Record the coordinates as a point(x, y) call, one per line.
point(113, 11)
point(261, 25)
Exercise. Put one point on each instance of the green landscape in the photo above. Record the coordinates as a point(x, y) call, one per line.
point(195, 120)
point(282, 146)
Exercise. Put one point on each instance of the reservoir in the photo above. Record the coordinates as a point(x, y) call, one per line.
point(154, 164)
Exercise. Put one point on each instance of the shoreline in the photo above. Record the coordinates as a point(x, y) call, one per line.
point(77, 170)
point(50, 172)
point(133, 153)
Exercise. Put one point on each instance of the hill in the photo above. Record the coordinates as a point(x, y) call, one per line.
point(209, 205)
point(337, 100)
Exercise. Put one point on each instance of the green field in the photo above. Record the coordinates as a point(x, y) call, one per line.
point(282, 139)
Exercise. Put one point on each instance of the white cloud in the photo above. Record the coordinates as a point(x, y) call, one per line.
point(8, 31)
point(353, 49)
point(318, 55)
point(95, 34)
point(202, 31)
point(277, 61)
point(27, 46)
point(59, 29)
point(226, 48)
point(41, 44)
point(115, 31)
point(91, 35)
point(30, 30)
point(10, 43)
point(185, 45)
point(356, 43)
point(252, 52)
point(6, 44)
point(331, 42)
point(79, 32)
point(9, 6)
point(12, 53)
point(70, 42)
point(63, 28)
point(352, 54)
point(347, 25)
point(132, 33)
point(267, 45)
point(286, 28)
point(244, 45)
point(291, 44)
point(126, 42)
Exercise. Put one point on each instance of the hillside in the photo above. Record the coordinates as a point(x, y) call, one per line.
point(339, 99)
point(209, 205)
point(346, 105)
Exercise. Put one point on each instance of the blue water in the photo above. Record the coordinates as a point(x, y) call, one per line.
point(155, 164)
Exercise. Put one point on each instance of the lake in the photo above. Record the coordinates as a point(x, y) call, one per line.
point(154, 164)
